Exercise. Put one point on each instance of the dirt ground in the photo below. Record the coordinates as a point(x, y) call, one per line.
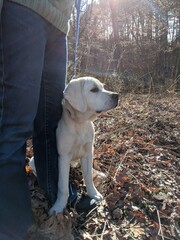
point(137, 148)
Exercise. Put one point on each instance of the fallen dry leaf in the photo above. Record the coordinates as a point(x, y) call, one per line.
point(137, 150)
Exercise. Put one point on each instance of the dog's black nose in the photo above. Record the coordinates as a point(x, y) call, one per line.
point(115, 97)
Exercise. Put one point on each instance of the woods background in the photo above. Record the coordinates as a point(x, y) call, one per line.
point(132, 46)
point(129, 44)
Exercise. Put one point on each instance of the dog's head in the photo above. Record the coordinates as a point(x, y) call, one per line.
point(87, 94)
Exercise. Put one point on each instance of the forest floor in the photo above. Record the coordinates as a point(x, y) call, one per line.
point(137, 147)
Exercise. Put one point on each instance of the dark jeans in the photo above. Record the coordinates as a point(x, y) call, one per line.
point(32, 79)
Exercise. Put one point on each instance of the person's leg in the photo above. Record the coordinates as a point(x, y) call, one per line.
point(22, 45)
point(49, 112)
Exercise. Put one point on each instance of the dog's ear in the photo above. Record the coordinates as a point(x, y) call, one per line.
point(74, 94)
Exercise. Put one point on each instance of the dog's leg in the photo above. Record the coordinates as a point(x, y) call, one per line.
point(87, 169)
point(63, 185)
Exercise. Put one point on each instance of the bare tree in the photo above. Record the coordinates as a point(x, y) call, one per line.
point(135, 40)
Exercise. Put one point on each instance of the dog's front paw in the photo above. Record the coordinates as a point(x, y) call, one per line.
point(95, 194)
point(98, 196)
point(56, 208)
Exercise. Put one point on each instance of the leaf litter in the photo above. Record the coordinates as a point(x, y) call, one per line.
point(136, 162)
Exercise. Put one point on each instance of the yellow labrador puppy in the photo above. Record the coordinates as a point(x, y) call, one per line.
point(84, 99)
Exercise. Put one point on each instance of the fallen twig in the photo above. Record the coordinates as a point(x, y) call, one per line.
point(102, 234)
point(160, 232)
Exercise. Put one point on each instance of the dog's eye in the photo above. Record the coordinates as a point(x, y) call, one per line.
point(95, 89)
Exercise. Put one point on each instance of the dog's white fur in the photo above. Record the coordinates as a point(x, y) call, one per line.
point(84, 99)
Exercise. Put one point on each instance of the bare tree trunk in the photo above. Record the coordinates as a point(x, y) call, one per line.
point(114, 17)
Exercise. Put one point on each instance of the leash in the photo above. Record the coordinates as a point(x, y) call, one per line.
point(80, 6)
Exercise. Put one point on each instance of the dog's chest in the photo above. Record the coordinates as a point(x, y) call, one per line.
point(75, 141)
point(78, 152)
point(80, 147)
